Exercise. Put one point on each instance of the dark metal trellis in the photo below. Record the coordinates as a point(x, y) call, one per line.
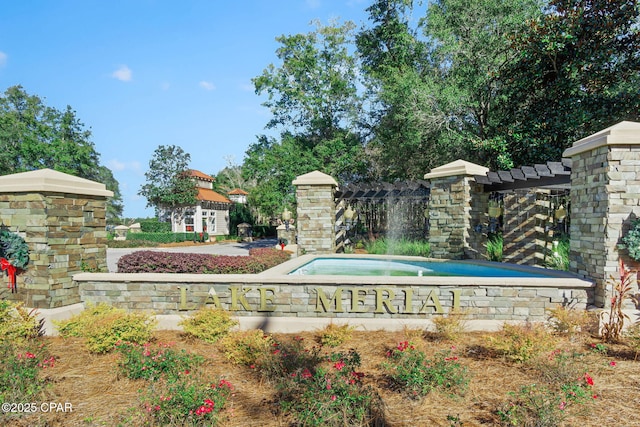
point(382, 207)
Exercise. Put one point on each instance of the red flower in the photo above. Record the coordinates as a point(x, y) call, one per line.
point(588, 379)
point(612, 363)
point(339, 365)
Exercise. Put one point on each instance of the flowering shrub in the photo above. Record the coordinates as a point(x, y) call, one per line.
point(20, 370)
point(539, 405)
point(321, 391)
point(17, 323)
point(185, 400)
point(246, 347)
point(259, 259)
point(208, 324)
point(566, 387)
point(418, 375)
point(104, 326)
point(151, 362)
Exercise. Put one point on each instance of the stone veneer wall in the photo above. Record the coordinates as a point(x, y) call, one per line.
point(65, 234)
point(62, 218)
point(316, 213)
point(605, 199)
point(457, 205)
point(449, 216)
point(357, 297)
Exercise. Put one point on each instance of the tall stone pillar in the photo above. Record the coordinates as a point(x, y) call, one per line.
point(455, 208)
point(62, 218)
point(605, 199)
point(316, 213)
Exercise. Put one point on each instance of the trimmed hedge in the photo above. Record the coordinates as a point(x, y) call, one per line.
point(168, 237)
point(259, 259)
point(154, 226)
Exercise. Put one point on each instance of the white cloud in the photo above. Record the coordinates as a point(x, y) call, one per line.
point(207, 85)
point(3, 59)
point(123, 74)
point(116, 165)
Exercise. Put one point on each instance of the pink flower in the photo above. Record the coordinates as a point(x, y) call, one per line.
point(612, 363)
point(333, 398)
point(339, 365)
point(306, 374)
point(563, 405)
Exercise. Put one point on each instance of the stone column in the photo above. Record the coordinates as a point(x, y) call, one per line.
point(316, 213)
point(454, 210)
point(62, 218)
point(605, 198)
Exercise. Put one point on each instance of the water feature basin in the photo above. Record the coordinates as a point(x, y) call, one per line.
point(381, 266)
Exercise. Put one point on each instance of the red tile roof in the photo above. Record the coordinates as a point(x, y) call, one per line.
point(197, 174)
point(238, 191)
point(208, 195)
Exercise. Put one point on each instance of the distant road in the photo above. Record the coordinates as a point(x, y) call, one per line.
point(233, 248)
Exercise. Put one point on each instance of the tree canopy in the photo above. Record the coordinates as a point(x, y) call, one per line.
point(36, 136)
point(168, 183)
point(502, 83)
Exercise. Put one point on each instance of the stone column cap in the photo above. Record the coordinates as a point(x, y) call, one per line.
point(50, 181)
point(458, 167)
point(623, 133)
point(315, 178)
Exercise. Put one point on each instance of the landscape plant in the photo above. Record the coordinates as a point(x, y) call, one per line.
point(521, 342)
point(208, 324)
point(246, 347)
point(613, 320)
point(385, 246)
point(321, 390)
point(21, 371)
point(151, 362)
point(451, 325)
point(334, 335)
point(186, 400)
point(17, 323)
point(103, 326)
point(494, 247)
point(417, 374)
point(568, 320)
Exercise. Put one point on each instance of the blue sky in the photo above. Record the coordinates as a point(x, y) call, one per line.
point(144, 73)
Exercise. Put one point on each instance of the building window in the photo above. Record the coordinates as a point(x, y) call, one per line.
point(188, 220)
point(212, 223)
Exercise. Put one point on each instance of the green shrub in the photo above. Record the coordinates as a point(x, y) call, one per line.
point(77, 325)
point(558, 256)
point(417, 375)
point(152, 225)
point(246, 347)
point(521, 343)
point(398, 247)
point(152, 362)
point(17, 323)
point(494, 247)
point(104, 326)
point(168, 237)
point(208, 324)
point(334, 335)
